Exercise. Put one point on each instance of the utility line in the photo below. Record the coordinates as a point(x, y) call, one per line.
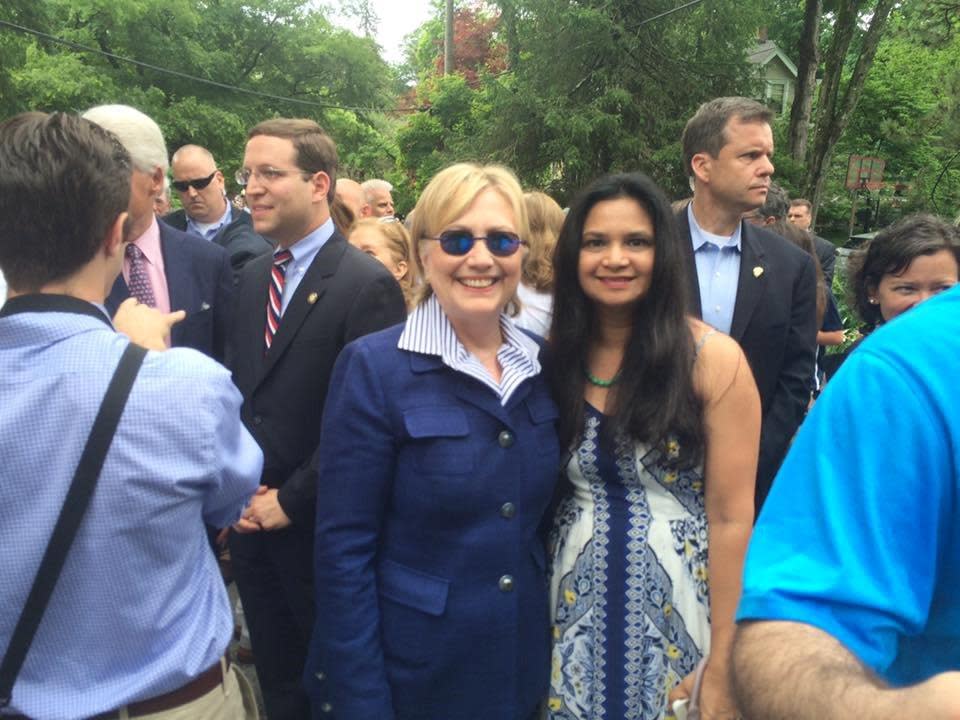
point(184, 76)
point(669, 12)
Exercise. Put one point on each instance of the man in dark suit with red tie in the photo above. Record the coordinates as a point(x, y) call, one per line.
point(746, 281)
point(295, 310)
point(165, 268)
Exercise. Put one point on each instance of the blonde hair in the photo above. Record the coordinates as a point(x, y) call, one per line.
point(450, 194)
point(546, 218)
point(399, 246)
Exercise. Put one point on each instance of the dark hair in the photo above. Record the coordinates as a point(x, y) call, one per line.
point(704, 131)
point(655, 398)
point(776, 204)
point(890, 252)
point(316, 151)
point(63, 184)
point(804, 240)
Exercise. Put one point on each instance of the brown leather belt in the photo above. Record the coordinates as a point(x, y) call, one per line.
point(196, 688)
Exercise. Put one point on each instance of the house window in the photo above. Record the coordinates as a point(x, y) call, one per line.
point(776, 96)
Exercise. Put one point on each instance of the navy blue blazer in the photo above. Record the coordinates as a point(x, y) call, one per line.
point(431, 593)
point(199, 281)
point(774, 321)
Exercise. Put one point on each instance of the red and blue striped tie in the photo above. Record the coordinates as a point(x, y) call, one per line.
point(275, 295)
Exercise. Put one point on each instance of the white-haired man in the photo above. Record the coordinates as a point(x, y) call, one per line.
point(206, 212)
point(163, 267)
point(378, 197)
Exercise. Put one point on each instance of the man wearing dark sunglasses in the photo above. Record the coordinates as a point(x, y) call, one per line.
point(206, 212)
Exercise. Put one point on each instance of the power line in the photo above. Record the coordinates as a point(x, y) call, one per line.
point(184, 76)
point(670, 12)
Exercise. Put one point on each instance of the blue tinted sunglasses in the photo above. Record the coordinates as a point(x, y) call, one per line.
point(499, 242)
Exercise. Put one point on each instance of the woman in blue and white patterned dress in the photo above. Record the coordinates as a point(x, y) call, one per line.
point(662, 418)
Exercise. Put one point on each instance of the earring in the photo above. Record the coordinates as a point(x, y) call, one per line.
point(872, 301)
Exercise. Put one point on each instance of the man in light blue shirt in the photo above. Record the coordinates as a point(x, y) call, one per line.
point(746, 281)
point(138, 621)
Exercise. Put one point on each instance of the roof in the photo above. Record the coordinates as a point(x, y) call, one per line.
point(765, 52)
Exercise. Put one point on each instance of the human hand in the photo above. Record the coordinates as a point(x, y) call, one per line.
point(716, 697)
point(938, 697)
point(144, 325)
point(247, 524)
point(265, 510)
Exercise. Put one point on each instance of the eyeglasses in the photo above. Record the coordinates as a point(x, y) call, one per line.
point(499, 242)
point(267, 175)
point(198, 184)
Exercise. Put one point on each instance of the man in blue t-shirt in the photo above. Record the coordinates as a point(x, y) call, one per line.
point(850, 605)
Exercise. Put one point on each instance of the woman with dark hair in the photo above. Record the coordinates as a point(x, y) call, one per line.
point(662, 418)
point(903, 265)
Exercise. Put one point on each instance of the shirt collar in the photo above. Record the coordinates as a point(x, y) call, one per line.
point(149, 244)
point(45, 302)
point(305, 249)
point(209, 229)
point(700, 237)
point(428, 331)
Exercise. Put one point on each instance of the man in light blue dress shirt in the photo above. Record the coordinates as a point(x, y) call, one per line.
point(746, 281)
point(139, 620)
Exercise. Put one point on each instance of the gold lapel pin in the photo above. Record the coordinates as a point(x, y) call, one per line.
point(757, 271)
point(312, 298)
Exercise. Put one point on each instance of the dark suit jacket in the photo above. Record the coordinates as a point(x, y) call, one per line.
point(827, 255)
point(238, 238)
point(774, 320)
point(199, 281)
point(344, 294)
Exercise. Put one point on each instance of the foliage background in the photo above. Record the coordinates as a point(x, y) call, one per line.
point(560, 90)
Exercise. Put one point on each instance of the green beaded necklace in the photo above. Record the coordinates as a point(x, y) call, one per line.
point(594, 380)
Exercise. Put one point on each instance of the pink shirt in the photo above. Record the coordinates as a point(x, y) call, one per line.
point(149, 244)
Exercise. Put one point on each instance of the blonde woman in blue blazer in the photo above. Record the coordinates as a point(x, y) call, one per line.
point(437, 460)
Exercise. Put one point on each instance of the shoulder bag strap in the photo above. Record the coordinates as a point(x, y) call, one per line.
point(71, 515)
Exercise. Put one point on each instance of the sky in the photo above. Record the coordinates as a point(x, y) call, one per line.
point(398, 18)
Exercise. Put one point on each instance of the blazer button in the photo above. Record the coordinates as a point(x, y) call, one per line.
point(257, 420)
point(508, 510)
point(326, 708)
point(506, 583)
point(505, 438)
point(321, 677)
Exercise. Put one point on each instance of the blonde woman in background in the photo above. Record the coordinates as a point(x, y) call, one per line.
point(389, 242)
point(536, 284)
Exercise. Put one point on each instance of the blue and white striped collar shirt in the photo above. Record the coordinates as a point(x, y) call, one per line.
point(428, 331)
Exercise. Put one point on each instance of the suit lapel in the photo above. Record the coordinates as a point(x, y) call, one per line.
point(693, 282)
point(309, 292)
point(176, 270)
point(118, 293)
point(252, 313)
point(179, 286)
point(752, 280)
